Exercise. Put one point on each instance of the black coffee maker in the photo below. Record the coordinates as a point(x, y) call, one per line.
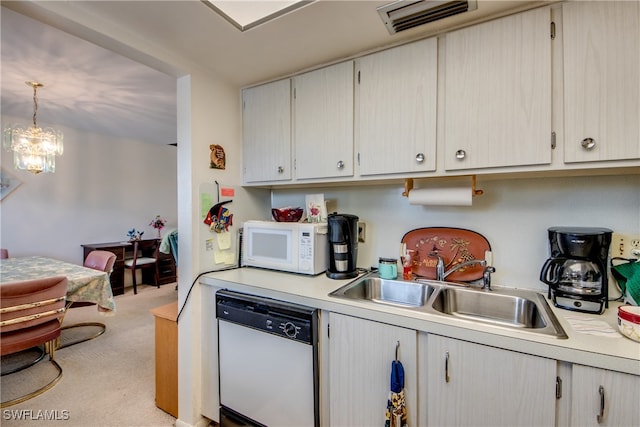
point(577, 272)
point(343, 246)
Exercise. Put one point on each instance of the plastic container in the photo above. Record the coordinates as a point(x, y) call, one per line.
point(407, 272)
point(629, 321)
point(388, 268)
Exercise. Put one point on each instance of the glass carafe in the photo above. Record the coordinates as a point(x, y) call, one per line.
point(580, 277)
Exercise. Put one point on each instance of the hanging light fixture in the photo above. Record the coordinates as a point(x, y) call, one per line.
point(34, 149)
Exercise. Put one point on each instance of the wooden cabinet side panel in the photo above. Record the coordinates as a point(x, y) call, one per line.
point(396, 109)
point(361, 352)
point(498, 92)
point(166, 351)
point(602, 79)
point(266, 126)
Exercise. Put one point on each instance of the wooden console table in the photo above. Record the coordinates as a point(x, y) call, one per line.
point(123, 251)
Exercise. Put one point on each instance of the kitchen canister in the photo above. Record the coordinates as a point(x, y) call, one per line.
point(388, 268)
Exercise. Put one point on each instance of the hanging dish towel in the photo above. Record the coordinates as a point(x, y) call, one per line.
point(628, 277)
point(396, 415)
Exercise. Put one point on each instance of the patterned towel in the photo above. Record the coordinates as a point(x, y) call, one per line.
point(396, 415)
point(628, 277)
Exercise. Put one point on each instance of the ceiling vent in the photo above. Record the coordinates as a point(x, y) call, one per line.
point(402, 15)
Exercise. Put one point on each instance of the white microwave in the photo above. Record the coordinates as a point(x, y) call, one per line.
point(295, 247)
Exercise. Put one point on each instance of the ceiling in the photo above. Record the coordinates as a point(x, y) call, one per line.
point(95, 81)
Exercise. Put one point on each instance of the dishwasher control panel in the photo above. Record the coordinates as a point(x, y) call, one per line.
point(288, 320)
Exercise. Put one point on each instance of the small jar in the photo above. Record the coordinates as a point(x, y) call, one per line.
point(388, 268)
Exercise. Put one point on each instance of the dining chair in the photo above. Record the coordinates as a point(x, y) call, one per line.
point(31, 312)
point(97, 260)
point(100, 260)
point(145, 256)
point(4, 253)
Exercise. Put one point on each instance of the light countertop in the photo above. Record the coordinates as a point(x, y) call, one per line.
point(614, 352)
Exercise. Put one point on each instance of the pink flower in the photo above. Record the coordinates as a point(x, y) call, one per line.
point(158, 222)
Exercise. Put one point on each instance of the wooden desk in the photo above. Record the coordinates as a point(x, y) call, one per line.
point(167, 357)
point(123, 251)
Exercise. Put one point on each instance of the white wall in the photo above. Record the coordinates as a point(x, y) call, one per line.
point(513, 214)
point(208, 113)
point(102, 187)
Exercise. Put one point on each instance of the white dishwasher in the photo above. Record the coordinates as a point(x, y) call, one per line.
point(268, 361)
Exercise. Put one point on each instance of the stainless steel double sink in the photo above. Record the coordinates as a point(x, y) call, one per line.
point(510, 308)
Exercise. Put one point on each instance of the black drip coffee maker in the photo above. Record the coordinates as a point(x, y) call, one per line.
point(576, 272)
point(343, 246)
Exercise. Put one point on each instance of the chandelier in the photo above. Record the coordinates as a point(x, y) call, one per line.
point(34, 149)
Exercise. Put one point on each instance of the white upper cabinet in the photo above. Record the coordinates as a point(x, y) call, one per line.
point(498, 93)
point(266, 126)
point(601, 80)
point(323, 122)
point(396, 95)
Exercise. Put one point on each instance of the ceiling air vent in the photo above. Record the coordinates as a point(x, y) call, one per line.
point(402, 15)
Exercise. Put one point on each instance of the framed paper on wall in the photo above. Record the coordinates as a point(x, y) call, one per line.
point(8, 183)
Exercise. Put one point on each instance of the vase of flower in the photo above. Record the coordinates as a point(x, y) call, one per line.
point(134, 235)
point(158, 223)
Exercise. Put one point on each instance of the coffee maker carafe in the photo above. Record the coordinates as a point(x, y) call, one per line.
point(576, 272)
point(343, 246)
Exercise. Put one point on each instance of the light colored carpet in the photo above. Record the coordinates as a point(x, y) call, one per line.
point(108, 381)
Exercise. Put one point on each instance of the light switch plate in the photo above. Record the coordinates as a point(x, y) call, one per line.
point(362, 228)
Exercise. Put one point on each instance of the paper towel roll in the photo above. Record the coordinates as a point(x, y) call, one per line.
point(453, 196)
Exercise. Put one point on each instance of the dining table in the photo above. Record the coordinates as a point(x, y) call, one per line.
point(83, 284)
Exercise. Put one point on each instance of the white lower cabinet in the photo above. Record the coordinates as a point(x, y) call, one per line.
point(468, 384)
point(360, 356)
point(600, 397)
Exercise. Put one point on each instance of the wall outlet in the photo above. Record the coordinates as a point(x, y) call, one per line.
point(362, 228)
point(625, 245)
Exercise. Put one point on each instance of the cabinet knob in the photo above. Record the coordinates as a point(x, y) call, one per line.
point(419, 157)
point(461, 154)
point(280, 169)
point(588, 143)
point(340, 164)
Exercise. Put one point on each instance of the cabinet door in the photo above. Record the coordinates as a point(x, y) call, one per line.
point(266, 125)
point(600, 397)
point(601, 80)
point(396, 109)
point(498, 93)
point(476, 385)
point(360, 356)
point(324, 122)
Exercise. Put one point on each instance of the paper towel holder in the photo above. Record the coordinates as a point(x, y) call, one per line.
point(408, 186)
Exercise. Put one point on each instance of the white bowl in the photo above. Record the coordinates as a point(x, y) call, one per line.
point(629, 321)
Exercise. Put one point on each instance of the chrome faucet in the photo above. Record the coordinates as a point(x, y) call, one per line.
point(441, 274)
point(486, 277)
